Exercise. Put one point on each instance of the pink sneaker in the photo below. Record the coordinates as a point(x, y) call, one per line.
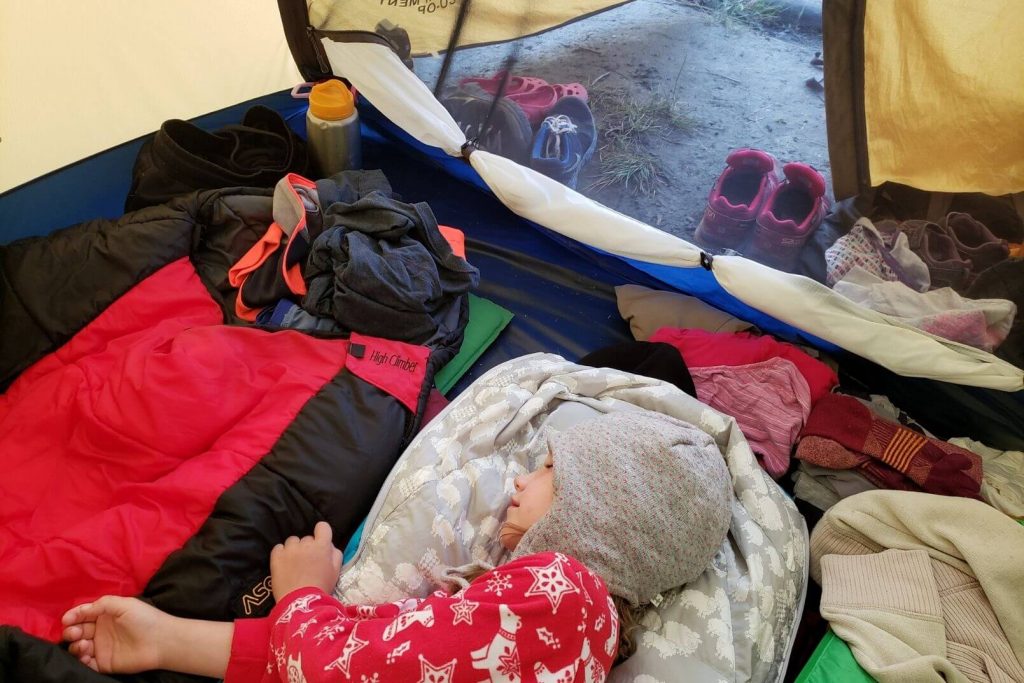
point(791, 215)
point(748, 180)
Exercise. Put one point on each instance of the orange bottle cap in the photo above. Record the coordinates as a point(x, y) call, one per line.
point(331, 101)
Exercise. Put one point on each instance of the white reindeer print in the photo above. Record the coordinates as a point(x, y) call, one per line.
point(500, 657)
point(404, 621)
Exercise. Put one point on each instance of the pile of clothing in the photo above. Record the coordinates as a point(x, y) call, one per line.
point(909, 552)
point(346, 254)
point(768, 386)
point(952, 279)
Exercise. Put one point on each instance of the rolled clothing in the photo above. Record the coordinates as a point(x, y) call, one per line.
point(702, 349)
point(823, 488)
point(1005, 281)
point(182, 157)
point(1002, 485)
point(880, 405)
point(881, 250)
point(289, 314)
point(648, 310)
point(383, 267)
point(659, 361)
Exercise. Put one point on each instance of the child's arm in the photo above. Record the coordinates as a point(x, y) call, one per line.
point(196, 646)
point(125, 635)
point(545, 612)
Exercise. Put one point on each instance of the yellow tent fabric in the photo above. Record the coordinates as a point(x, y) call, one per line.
point(944, 94)
point(430, 22)
point(81, 77)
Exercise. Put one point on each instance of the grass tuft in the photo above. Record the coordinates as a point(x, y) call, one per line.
point(628, 125)
point(758, 13)
point(630, 166)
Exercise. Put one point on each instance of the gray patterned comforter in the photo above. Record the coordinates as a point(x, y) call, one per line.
point(442, 505)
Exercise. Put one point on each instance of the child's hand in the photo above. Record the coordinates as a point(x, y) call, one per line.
point(311, 561)
point(116, 635)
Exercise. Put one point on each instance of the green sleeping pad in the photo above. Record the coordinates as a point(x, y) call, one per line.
point(832, 662)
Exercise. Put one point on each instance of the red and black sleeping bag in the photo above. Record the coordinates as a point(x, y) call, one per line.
point(149, 446)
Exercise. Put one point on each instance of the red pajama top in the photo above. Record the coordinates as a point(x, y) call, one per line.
point(542, 618)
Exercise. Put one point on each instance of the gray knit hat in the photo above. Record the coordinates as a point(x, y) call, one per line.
point(641, 498)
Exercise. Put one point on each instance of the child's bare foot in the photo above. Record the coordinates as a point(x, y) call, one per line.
point(115, 635)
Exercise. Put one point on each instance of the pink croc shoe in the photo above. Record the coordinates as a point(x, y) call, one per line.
point(571, 90)
point(792, 213)
point(517, 85)
point(536, 103)
point(535, 96)
point(749, 178)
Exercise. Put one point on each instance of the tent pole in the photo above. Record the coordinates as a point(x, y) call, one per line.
point(453, 42)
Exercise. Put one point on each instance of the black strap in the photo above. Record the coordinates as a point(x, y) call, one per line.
point(510, 62)
point(453, 42)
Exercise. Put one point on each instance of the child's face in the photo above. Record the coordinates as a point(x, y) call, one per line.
point(535, 492)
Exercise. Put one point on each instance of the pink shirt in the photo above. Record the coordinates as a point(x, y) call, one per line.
point(702, 349)
point(770, 401)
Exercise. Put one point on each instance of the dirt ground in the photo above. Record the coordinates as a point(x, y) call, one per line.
point(729, 85)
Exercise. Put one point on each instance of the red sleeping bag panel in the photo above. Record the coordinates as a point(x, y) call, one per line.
point(118, 444)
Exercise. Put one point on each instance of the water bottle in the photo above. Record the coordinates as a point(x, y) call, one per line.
point(332, 128)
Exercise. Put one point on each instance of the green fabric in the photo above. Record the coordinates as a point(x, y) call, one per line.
point(832, 662)
point(486, 321)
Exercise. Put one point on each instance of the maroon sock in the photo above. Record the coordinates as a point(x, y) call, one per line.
point(928, 464)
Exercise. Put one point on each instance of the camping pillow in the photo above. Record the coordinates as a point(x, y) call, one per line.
point(648, 310)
